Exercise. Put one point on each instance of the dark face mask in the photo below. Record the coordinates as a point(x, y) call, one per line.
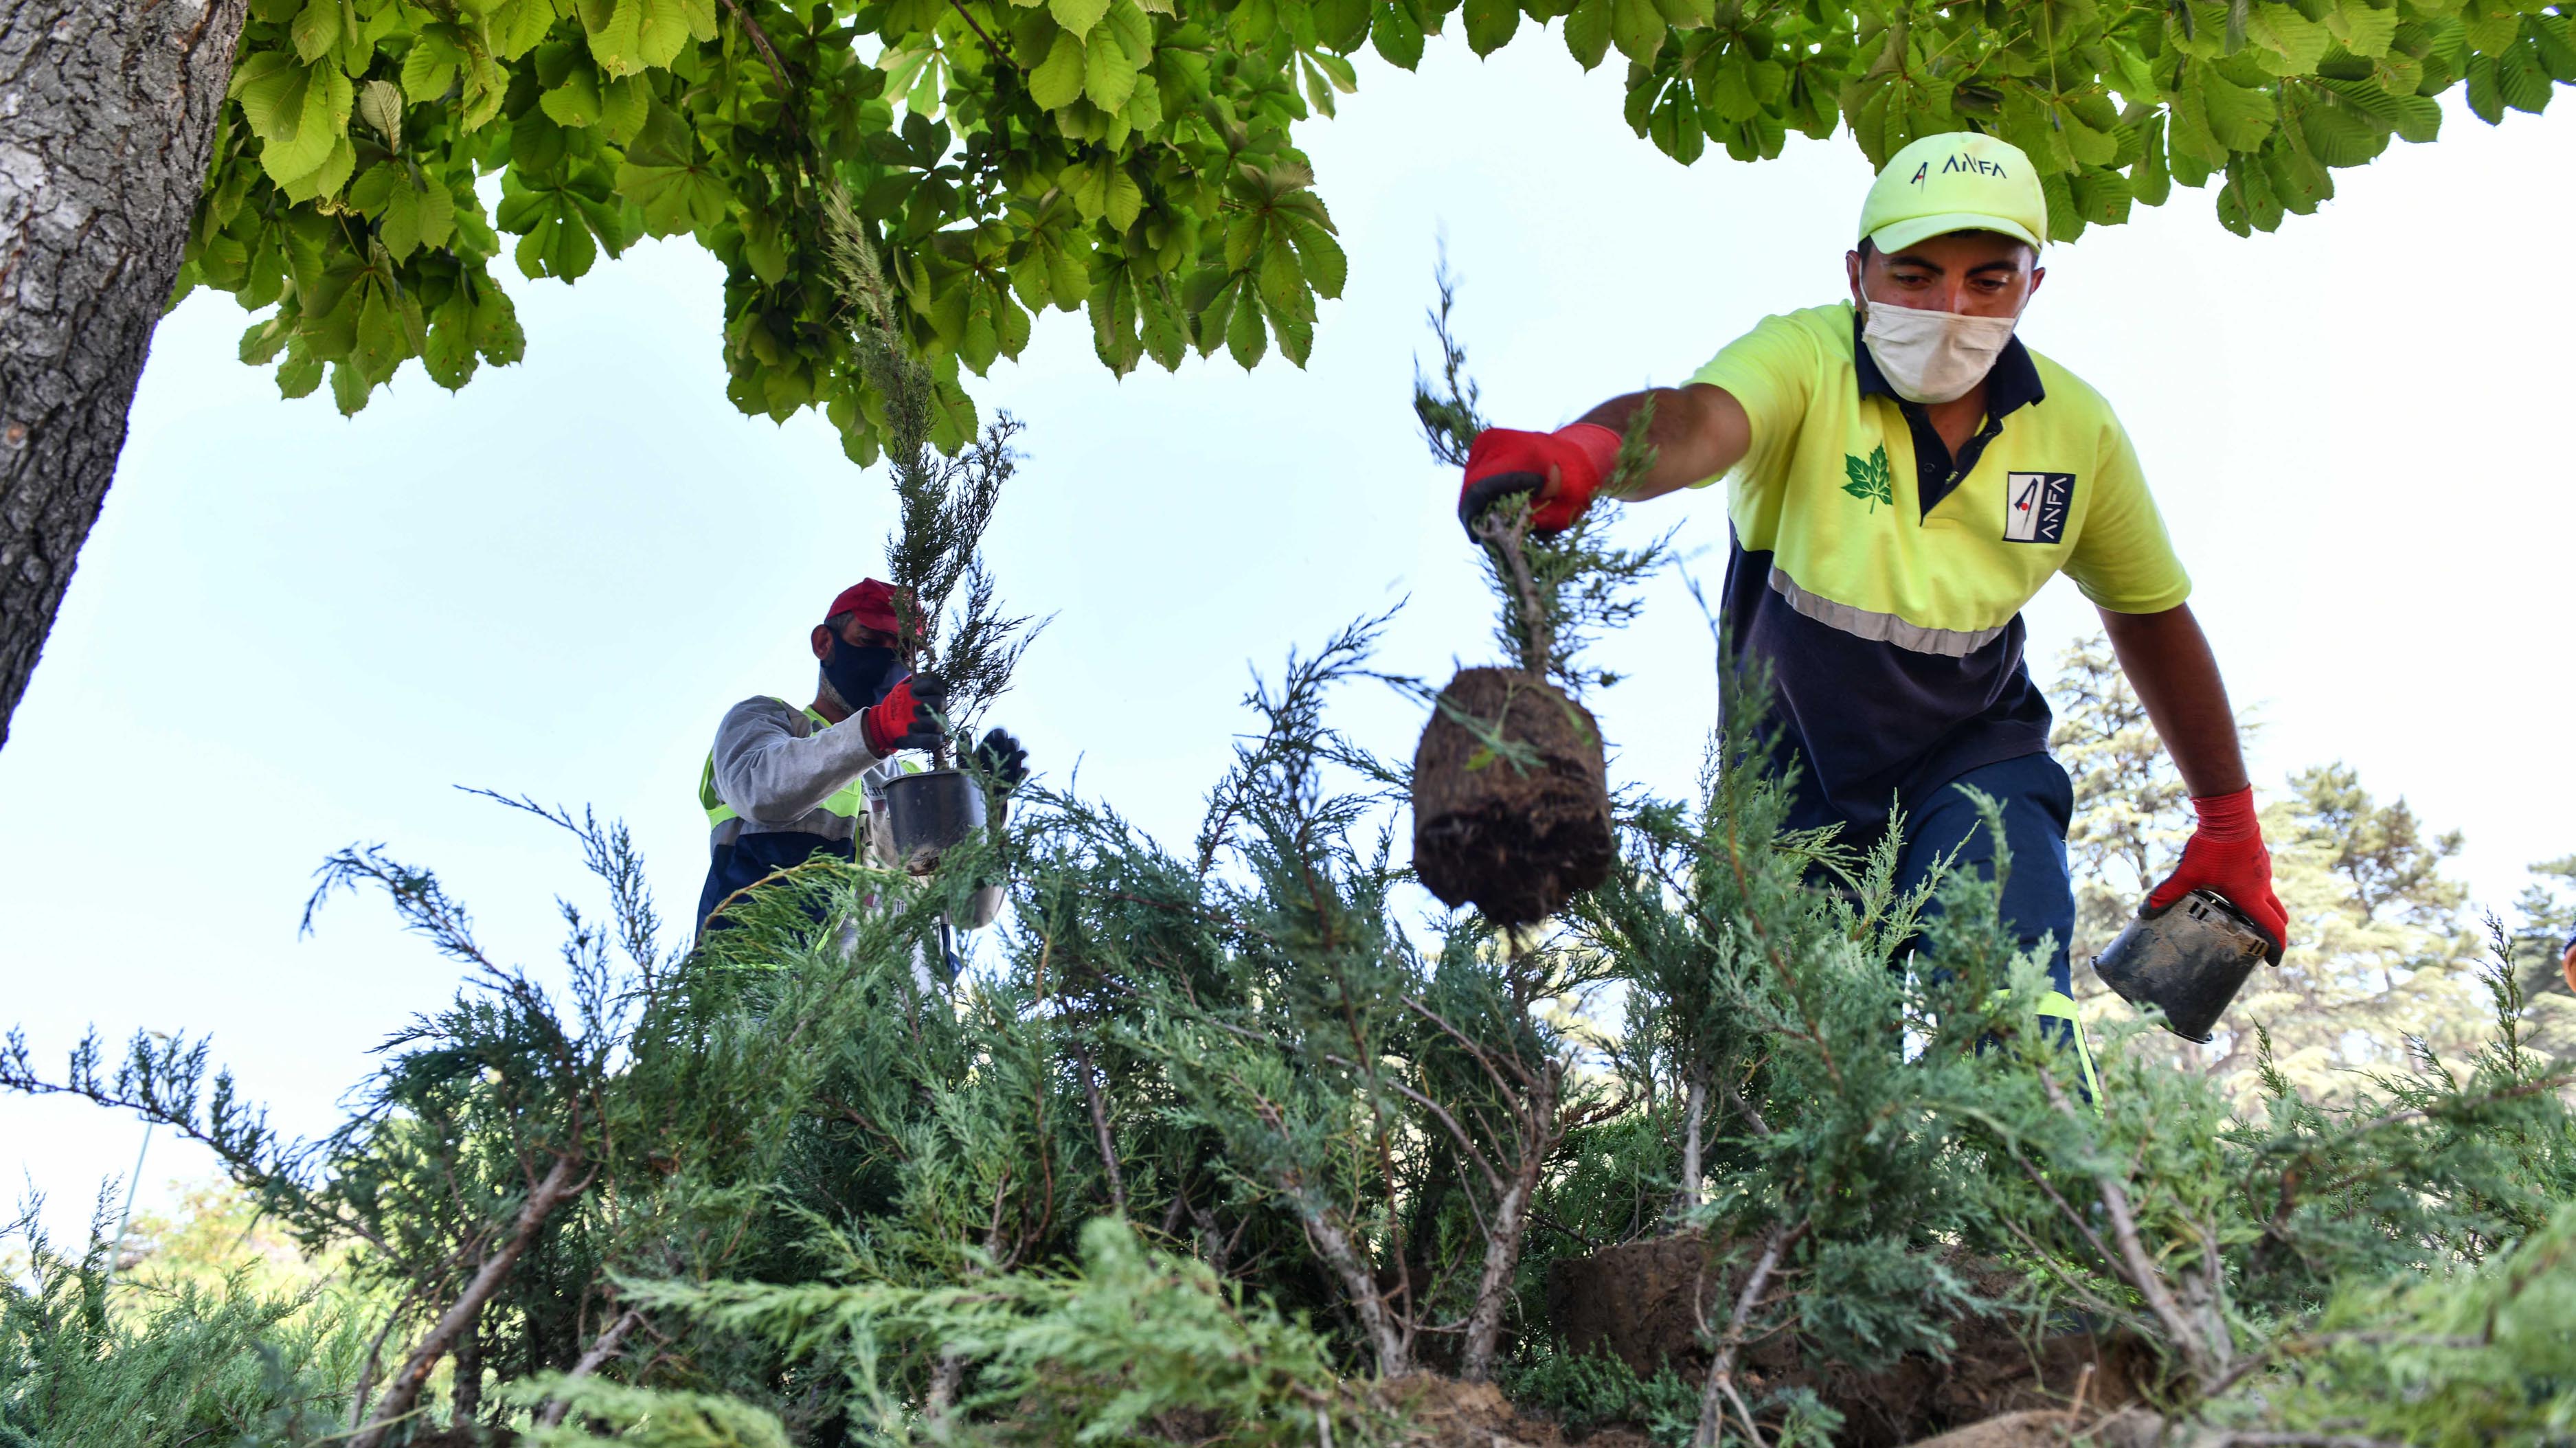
point(861, 674)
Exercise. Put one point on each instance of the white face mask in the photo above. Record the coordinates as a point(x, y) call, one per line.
point(1933, 356)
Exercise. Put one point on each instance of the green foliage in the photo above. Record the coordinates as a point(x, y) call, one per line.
point(1212, 1137)
point(2472, 1358)
point(2547, 921)
point(1556, 592)
point(2114, 103)
point(188, 1364)
point(630, 1127)
point(1831, 1157)
point(1856, 1193)
point(216, 1240)
point(649, 1418)
point(1131, 159)
point(1588, 1391)
point(1121, 158)
point(2383, 948)
point(942, 504)
point(1111, 1351)
point(2132, 812)
point(1398, 1106)
point(2436, 1166)
point(2394, 870)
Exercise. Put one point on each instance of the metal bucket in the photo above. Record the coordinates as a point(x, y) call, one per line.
point(928, 812)
point(2188, 961)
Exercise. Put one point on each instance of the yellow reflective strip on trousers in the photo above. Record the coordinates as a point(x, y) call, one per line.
point(2060, 1005)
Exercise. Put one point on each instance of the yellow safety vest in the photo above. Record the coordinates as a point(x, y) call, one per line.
point(850, 803)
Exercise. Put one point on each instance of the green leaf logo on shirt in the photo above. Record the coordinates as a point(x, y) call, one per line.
point(1869, 479)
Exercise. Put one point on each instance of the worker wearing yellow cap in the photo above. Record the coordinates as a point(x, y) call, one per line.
point(1902, 477)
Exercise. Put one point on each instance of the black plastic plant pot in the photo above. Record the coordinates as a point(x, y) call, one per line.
point(929, 812)
point(2188, 961)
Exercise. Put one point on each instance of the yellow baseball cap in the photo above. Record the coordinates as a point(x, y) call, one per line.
point(1955, 181)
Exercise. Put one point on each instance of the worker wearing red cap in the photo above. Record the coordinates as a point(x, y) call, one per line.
point(784, 784)
point(1902, 475)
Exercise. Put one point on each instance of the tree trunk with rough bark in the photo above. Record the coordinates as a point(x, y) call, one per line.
point(1494, 1288)
point(107, 118)
point(1695, 1116)
point(1386, 1334)
point(561, 1184)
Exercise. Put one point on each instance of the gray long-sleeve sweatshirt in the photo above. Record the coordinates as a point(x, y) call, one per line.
point(774, 766)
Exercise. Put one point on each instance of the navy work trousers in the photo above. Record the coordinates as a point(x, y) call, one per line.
point(2038, 802)
point(752, 858)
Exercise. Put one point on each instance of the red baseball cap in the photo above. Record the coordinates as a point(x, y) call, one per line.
point(871, 600)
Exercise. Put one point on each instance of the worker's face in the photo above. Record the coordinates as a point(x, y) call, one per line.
point(1973, 273)
point(853, 633)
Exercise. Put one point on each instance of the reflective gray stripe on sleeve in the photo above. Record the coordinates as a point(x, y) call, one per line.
point(1884, 628)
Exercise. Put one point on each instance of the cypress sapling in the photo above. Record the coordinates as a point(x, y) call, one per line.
point(943, 506)
point(1511, 801)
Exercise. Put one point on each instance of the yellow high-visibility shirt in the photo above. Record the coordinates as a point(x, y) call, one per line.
point(1882, 580)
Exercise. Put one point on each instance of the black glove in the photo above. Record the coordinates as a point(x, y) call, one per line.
point(1001, 759)
point(908, 716)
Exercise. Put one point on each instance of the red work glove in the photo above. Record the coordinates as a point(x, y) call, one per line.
point(2226, 854)
point(907, 718)
point(1564, 468)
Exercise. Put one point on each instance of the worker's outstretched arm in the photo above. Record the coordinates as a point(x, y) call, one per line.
point(769, 774)
point(2169, 663)
point(1698, 432)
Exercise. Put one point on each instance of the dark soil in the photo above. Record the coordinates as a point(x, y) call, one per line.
point(1641, 1302)
point(1515, 841)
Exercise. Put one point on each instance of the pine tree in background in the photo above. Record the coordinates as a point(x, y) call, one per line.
point(2390, 869)
point(2545, 913)
point(2385, 954)
point(2132, 813)
point(215, 1238)
point(2383, 960)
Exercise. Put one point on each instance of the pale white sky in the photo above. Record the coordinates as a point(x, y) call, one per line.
point(291, 632)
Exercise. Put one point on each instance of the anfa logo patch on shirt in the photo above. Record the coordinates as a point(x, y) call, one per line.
point(2035, 506)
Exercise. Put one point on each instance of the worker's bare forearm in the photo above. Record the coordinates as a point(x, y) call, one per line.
point(2169, 664)
point(1698, 432)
